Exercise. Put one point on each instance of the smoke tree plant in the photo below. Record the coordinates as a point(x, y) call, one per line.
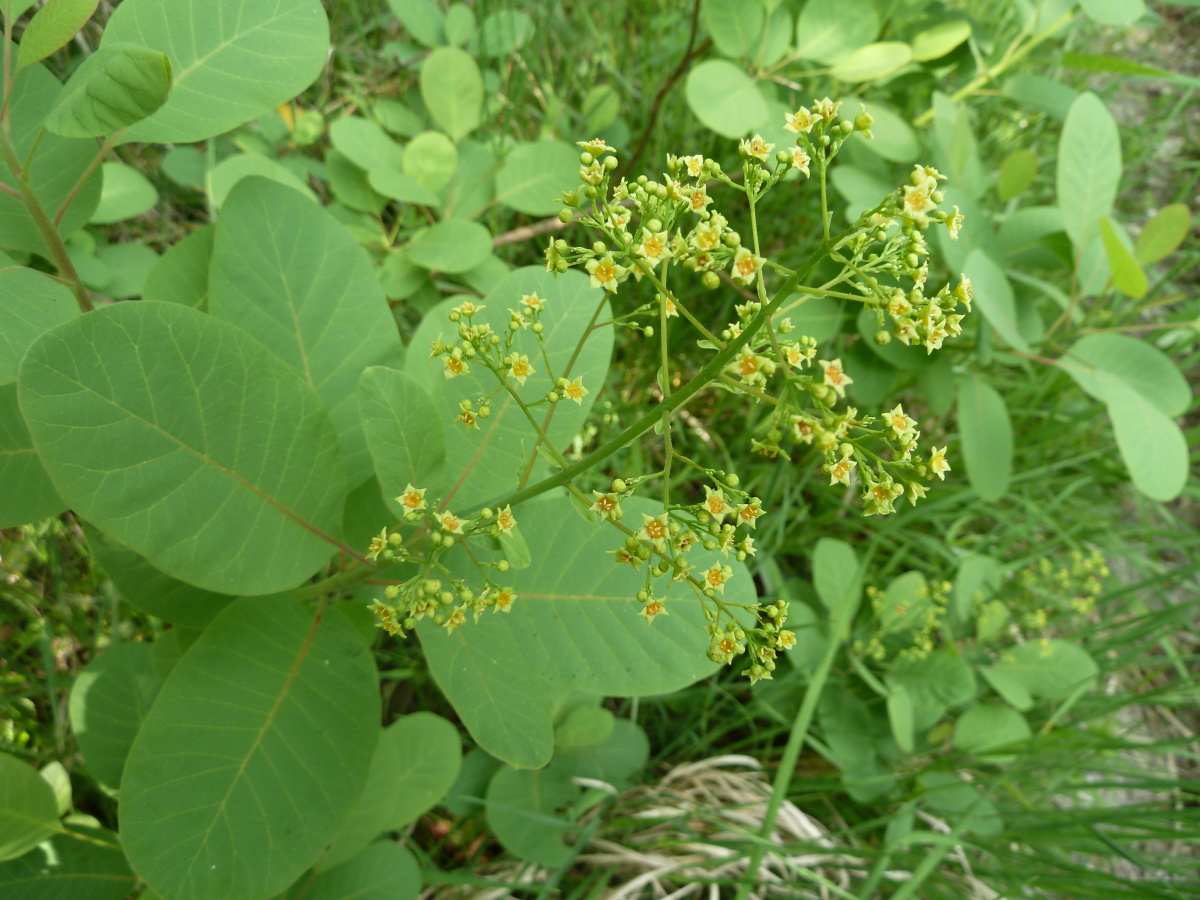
point(231, 447)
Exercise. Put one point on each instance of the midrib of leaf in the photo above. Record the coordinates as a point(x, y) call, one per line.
point(267, 723)
point(254, 489)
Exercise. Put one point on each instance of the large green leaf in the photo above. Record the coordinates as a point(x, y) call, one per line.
point(473, 187)
point(56, 167)
point(994, 297)
point(1089, 168)
point(1049, 668)
point(533, 177)
point(109, 702)
point(383, 871)
point(77, 864)
point(987, 437)
point(829, 30)
point(234, 60)
point(1140, 365)
point(528, 813)
point(151, 591)
point(181, 274)
point(28, 493)
point(452, 89)
point(725, 99)
point(485, 462)
point(246, 165)
point(28, 809)
point(736, 27)
point(404, 432)
point(1154, 449)
point(455, 245)
point(51, 27)
point(30, 303)
point(284, 270)
point(431, 158)
point(257, 747)
point(987, 726)
point(186, 440)
point(574, 627)
point(117, 86)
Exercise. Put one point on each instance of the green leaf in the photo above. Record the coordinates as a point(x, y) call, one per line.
point(416, 762)
point(503, 32)
point(1009, 687)
point(452, 89)
point(77, 864)
point(992, 619)
point(583, 726)
point(285, 271)
point(830, 30)
point(383, 871)
point(1113, 12)
point(28, 810)
point(817, 317)
point(1141, 366)
point(994, 298)
point(894, 138)
point(1163, 233)
point(937, 41)
point(900, 716)
point(234, 60)
point(724, 98)
point(960, 803)
point(28, 494)
point(460, 24)
point(365, 144)
point(256, 748)
point(466, 796)
point(126, 193)
point(181, 274)
point(619, 755)
point(454, 245)
point(130, 264)
point(30, 303)
point(1153, 447)
point(396, 185)
point(873, 61)
point(1050, 668)
point(472, 190)
point(52, 27)
point(148, 589)
point(109, 702)
point(116, 87)
point(245, 165)
point(1089, 168)
point(422, 19)
point(430, 158)
point(1017, 173)
point(1127, 275)
point(1048, 95)
point(486, 462)
point(987, 437)
point(507, 674)
point(398, 118)
point(987, 726)
point(935, 682)
point(837, 579)
point(185, 166)
point(404, 432)
point(232, 483)
point(351, 185)
point(736, 27)
point(533, 177)
point(600, 109)
point(57, 165)
point(977, 579)
point(904, 603)
point(526, 812)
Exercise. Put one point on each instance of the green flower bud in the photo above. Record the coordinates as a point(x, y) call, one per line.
point(710, 280)
point(566, 216)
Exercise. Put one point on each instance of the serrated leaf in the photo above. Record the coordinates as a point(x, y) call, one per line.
point(52, 27)
point(116, 87)
point(1127, 276)
point(830, 30)
point(491, 460)
point(28, 811)
point(256, 748)
point(286, 272)
point(80, 863)
point(109, 702)
point(533, 177)
point(507, 673)
point(1163, 233)
point(1089, 168)
point(232, 483)
point(987, 437)
point(452, 89)
point(234, 60)
point(724, 98)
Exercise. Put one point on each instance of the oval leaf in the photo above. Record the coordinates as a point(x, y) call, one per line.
point(533, 176)
point(736, 27)
point(232, 483)
point(455, 245)
point(431, 158)
point(1140, 365)
point(383, 871)
point(1089, 168)
point(52, 27)
point(30, 303)
point(1154, 449)
point(837, 579)
point(1127, 276)
point(830, 30)
point(256, 748)
point(28, 493)
point(987, 437)
point(994, 297)
point(936, 42)
point(234, 60)
point(79, 864)
point(127, 193)
point(725, 98)
point(1017, 172)
point(1113, 12)
point(117, 86)
point(452, 89)
point(1163, 234)
point(1050, 668)
point(28, 809)
point(873, 61)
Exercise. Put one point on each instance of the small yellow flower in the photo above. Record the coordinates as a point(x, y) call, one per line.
point(653, 247)
point(937, 463)
point(378, 544)
point(576, 391)
point(455, 364)
point(835, 377)
point(533, 303)
point(746, 266)
point(786, 640)
point(520, 368)
point(469, 419)
point(799, 122)
point(453, 620)
point(749, 511)
point(595, 146)
point(413, 499)
point(450, 522)
point(954, 223)
point(716, 504)
point(902, 426)
point(694, 165)
point(607, 505)
point(468, 308)
point(604, 272)
point(505, 520)
point(839, 472)
point(800, 160)
point(504, 599)
point(652, 609)
point(705, 236)
point(716, 577)
point(699, 200)
point(827, 109)
point(757, 147)
point(655, 530)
